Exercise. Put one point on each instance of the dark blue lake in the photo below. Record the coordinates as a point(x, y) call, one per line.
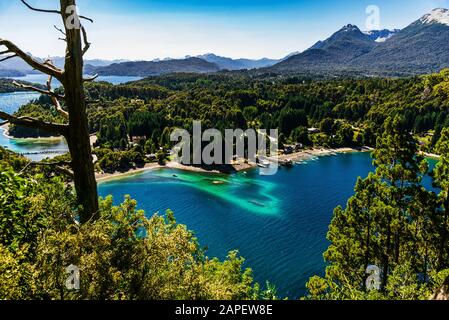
point(35, 149)
point(278, 223)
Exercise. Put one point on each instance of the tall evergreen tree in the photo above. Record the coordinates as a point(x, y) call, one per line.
point(381, 225)
point(441, 181)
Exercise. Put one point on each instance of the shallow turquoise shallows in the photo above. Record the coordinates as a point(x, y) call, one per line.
point(35, 149)
point(278, 223)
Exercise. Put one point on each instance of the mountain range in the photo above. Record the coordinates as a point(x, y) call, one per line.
point(422, 47)
point(15, 67)
point(154, 68)
point(207, 63)
point(238, 64)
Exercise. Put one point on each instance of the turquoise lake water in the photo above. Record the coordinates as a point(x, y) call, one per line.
point(42, 79)
point(38, 149)
point(35, 149)
point(278, 223)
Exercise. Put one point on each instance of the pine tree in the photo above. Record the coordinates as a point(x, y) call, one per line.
point(400, 168)
point(385, 224)
point(441, 181)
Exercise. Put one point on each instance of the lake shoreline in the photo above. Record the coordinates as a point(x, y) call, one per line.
point(240, 167)
point(102, 177)
point(285, 212)
point(5, 129)
point(320, 152)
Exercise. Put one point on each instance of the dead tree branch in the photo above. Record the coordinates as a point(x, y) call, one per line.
point(85, 40)
point(42, 67)
point(55, 100)
point(40, 10)
point(60, 30)
point(7, 58)
point(93, 78)
point(50, 11)
point(58, 165)
point(32, 123)
point(41, 91)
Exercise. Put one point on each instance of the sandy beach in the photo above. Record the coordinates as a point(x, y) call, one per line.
point(5, 129)
point(238, 167)
point(430, 155)
point(318, 152)
point(110, 176)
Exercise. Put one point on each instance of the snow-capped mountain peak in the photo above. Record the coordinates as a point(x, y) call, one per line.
point(381, 35)
point(439, 15)
point(350, 27)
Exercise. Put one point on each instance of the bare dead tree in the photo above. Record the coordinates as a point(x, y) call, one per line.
point(71, 105)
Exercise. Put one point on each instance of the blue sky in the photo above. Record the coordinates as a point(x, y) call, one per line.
point(149, 29)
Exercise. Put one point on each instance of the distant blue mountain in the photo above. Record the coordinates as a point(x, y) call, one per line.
point(154, 68)
point(343, 46)
point(237, 64)
point(17, 67)
point(422, 47)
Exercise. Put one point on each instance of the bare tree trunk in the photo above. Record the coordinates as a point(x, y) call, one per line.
point(386, 257)
point(78, 132)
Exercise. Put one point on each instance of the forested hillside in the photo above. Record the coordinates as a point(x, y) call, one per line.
point(391, 240)
point(151, 68)
point(6, 85)
point(404, 227)
point(348, 112)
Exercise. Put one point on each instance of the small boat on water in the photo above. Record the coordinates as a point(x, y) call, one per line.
point(263, 164)
point(287, 163)
point(257, 203)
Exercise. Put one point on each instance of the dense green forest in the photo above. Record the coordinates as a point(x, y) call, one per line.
point(123, 255)
point(135, 119)
point(391, 221)
point(7, 85)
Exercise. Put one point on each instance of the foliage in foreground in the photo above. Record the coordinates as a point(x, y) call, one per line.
point(122, 255)
point(391, 222)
